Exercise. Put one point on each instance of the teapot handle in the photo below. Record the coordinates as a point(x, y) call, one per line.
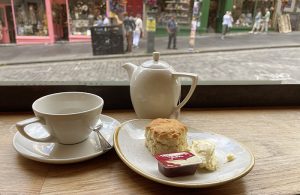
point(194, 78)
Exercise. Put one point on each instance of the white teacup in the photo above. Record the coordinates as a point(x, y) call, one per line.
point(68, 117)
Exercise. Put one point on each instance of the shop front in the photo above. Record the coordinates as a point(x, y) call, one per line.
point(209, 19)
point(212, 12)
point(244, 12)
point(181, 9)
point(32, 19)
point(49, 21)
point(84, 14)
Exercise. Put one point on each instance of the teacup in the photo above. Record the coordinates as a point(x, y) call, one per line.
point(68, 117)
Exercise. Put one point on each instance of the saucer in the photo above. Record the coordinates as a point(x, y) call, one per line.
point(56, 153)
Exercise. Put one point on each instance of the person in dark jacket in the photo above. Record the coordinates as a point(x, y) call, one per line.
point(129, 27)
point(172, 31)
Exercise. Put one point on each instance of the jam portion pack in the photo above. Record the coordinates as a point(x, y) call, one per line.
point(178, 164)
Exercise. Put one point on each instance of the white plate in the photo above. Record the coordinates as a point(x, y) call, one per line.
point(62, 154)
point(129, 142)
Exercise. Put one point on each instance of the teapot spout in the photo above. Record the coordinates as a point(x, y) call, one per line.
point(130, 68)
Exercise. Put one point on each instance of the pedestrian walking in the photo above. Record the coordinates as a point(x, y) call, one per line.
point(257, 23)
point(227, 23)
point(266, 19)
point(129, 27)
point(138, 32)
point(172, 31)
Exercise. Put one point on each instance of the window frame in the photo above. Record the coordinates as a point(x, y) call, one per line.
point(16, 98)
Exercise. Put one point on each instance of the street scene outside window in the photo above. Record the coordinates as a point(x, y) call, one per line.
point(88, 40)
point(147, 83)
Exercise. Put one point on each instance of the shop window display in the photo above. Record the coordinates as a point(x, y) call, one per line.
point(84, 14)
point(244, 11)
point(117, 9)
point(179, 8)
point(31, 19)
point(117, 6)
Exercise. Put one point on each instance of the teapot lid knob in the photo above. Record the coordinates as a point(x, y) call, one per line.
point(156, 56)
point(155, 63)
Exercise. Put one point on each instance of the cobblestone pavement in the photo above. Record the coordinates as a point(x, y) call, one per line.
point(211, 42)
point(258, 65)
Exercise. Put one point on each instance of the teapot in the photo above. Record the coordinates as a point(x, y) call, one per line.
point(155, 88)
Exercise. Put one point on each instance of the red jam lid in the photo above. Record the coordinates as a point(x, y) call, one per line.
point(172, 160)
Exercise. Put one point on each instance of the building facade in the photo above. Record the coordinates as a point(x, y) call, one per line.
point(243, 13)
point(48, 21)
point(212, 12)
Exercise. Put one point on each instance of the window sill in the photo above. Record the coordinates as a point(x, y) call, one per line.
point(19, 97)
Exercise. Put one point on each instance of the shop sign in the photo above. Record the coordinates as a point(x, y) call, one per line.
point(151, 25)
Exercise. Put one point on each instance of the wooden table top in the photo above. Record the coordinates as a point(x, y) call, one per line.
point(273, 135)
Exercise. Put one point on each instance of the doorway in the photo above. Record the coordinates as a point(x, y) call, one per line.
point(10, 24)
point(4, 36)
point(215, 17)
point(212, 17)
point(7, 25)
point(60, 20)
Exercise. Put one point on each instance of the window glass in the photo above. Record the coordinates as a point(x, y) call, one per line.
point(31, 18)
point(214, 50)
point(244, 11)
point(84, 14)
point(180, 9)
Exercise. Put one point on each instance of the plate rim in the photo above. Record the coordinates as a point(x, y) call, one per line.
point(178, 184)
point(17, 146)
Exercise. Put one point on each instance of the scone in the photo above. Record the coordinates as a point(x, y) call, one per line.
point(166, 136)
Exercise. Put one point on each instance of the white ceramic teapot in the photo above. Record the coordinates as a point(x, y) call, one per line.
point(155, 88)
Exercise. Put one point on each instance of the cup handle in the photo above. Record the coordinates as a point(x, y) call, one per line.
point(194, 78)
point(21, 128)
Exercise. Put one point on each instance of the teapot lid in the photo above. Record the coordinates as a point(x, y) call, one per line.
point(156, 63)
